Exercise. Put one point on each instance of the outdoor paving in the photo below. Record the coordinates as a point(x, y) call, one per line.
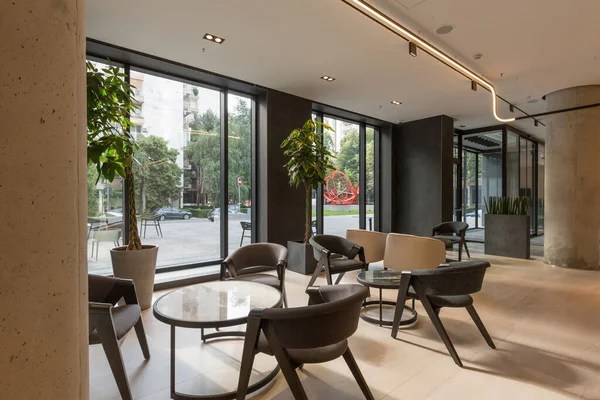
point(197, 240)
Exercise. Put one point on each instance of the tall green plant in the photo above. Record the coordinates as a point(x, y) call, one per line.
point(110, 146)
point(508, 205)
point(309, 160)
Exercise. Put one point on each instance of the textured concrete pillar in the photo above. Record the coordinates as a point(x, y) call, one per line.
point(572, 194)
point(43, 271)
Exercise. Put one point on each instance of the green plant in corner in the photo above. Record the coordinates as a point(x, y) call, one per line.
point(309, 160)
point(110, 146)
point(508, 205)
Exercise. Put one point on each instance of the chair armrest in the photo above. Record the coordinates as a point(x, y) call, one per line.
point(99, 308)
point(314, 295)
point(281, 266)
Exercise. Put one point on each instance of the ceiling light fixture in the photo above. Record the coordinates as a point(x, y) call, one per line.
point(395, 102)
point(412, 49)
point(511, 108)
point(445, 29)
point(378, 16)
point(328, 78)
point(535, 122)
point(474, 86)
point(212, 38)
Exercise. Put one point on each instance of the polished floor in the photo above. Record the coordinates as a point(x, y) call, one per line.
point(545, 322)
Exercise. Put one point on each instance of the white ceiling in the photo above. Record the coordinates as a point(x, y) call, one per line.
point(530, 48)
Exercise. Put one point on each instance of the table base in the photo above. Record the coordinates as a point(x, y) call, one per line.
point(382, 322)
point(220, 396)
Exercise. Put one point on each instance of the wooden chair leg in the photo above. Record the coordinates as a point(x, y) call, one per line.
point(466, 248)
point(437, 323)
point(480, 326)
point(339, 278)
point(460, 247)
point(358, 376)
point(242, 238)
point(109, 341)
point(402, 290)
point(248, 355)
point(327, 269)
point(287, 367)
point(141, 335)
point(284, 296)
point(318, 270)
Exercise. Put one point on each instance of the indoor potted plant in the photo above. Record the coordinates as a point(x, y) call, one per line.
point(309, 161)
point(110, 147)
point(507, 227)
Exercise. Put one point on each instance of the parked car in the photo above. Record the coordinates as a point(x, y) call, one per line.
point(172, 213)
point(117, 212)
point(472, 214)
point(216, 212)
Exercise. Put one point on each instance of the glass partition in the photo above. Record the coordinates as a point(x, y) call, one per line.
point(541, 187)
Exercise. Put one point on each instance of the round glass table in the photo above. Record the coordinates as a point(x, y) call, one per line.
point(384, 279)
point(214, 305)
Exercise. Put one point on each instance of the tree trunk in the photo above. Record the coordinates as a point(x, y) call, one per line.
point(308, 214)
point(135, 243)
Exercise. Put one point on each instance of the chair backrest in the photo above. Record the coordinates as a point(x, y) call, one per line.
point(408, 252)
point(457, 227)
point(458, 278)
point(373, 242)
point(257, 255)
point(106, 235)
point(107, 289)
point(318, 325)
point(335, 244)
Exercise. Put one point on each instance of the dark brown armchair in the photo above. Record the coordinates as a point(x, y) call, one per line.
point(314, 334)
point(109, 324)
point(336, 255)
point(452, 233)
point(449, 285)
point(247, 263)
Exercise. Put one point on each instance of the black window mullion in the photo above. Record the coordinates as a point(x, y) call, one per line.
point(320, 202)
point(253, 162)
point(376, 182)
point(362, 176)
point(126, 204)
point(224, 195)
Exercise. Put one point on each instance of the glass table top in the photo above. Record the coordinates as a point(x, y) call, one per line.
point(388, 277)
point(215, 302)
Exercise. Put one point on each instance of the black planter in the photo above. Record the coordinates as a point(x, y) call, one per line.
point(507, 235)
point(301, 258)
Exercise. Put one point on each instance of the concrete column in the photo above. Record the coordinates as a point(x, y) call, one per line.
point(43, 271)
point(572, 193)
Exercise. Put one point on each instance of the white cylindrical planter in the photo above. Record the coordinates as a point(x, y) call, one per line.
point(139, 265)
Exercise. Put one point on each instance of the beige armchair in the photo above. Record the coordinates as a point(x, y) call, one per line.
point(373, 243)
point(408, 252)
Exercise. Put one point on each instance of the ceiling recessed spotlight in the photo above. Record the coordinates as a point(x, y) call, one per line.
point(477, 56)
point(213, 38)
point(532, 101)
point(328, 78)
point(445, 29)
point(395, 102)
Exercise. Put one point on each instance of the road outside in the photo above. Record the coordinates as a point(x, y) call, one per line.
point(197, 239)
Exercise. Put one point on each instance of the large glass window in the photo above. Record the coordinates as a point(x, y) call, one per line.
point(526, 172)
point(178, 179)
point(178, 170)
point(370, 177)
point(342, 188)
point(240, 171)
point(541, 187)
point(105, 216)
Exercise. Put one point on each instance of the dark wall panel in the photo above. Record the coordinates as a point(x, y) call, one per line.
point(280, 207)
point(422, 175)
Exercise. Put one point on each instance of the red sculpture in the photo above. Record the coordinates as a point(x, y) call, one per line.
point(339, 189)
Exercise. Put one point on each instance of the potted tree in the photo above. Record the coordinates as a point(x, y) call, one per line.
point(309, 161)
point(507, 227)
point(111, 148)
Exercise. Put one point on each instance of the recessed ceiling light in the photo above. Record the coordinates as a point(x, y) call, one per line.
point(395, 102)
point(328, 78)
point(532, 101)
point(212, 38)
point(445, 29)
point(477, 56)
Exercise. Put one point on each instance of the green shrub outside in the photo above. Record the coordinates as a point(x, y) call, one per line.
point(199, 212)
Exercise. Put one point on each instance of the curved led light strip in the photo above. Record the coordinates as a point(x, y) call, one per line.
point(405, 33)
